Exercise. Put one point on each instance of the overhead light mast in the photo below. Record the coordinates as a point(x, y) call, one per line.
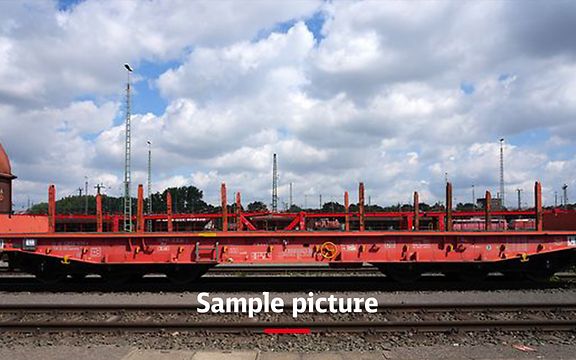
point(565, 195)
point(149, 183)
point(502, 202)
point(127, 159)
point(275, 185)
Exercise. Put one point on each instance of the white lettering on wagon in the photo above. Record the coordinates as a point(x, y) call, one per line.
point(232, 250)
point(70, 243)
point(571, 240)
point(389, 245)
point(66, 248)
point(421, 244)
point(258, 255)
point(298, 252)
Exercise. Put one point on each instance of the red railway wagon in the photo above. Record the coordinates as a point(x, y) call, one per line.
point(525, 224)
point(234, 239)
point(479, 225)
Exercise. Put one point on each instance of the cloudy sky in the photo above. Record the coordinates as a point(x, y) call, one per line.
point(395, 94)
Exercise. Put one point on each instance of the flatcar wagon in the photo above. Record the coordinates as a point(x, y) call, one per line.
point(403, 249)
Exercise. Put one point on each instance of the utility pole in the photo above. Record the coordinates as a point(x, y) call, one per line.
point(127, 158)
point(149, 184)
point(99, 187)
point(275, 185)
point(86, 195)
point(80, 191)
point(519, 191)
point(291, 195)
point(149, 180)
point(502, 202)
point(555, 199)
point(473, 197)
point(565, 195)
point(320, 200)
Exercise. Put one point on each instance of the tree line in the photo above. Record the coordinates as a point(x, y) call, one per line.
point(189, 199)
point(185, 199)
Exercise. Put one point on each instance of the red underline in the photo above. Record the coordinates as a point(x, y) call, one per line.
point(287, 331)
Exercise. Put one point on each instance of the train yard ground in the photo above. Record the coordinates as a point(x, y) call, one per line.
point(433, 317)
point(295, 280)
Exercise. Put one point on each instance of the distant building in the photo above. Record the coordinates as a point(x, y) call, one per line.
point(6, 178)
point(496, 204)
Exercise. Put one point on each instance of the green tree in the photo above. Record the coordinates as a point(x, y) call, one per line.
point(256, 206)
point(185, 199)
point(294, 208)
point(465, 207)
point(374, 208)
point(333, 206)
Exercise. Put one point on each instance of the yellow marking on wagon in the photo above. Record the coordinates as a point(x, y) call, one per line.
point(207, 234)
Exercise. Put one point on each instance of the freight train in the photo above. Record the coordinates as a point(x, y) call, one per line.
point(403, 245)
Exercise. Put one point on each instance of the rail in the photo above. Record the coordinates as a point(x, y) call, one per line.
point(439, 317)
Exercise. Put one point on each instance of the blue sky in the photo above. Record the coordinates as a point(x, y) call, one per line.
point(146, 95)
point(67, 4)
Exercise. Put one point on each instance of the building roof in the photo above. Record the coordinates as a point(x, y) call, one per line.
point(5, 169)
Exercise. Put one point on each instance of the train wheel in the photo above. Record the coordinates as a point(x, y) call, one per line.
point(539, 275)
point(137, 276)
point(472, 275)
point(541, 270)
point(402, 273)
point(50, 277)
point(115, 278)
point(185, 275)
point(49, 272)
point(451, 276)
point(78, 277)
point(513, 275)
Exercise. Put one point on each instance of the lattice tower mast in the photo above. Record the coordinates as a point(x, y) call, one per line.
point(127, 159)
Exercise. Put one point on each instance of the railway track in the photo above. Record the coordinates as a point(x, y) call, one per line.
point(265, 269)
point(282, 270)
point(444, 317)
point(280, 283)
